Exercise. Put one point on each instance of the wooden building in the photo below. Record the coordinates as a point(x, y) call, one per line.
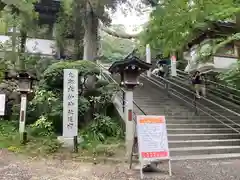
point(205, 38)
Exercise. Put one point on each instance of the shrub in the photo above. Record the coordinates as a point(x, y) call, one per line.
point(101, 129)
point(42, 127)
point(53, 76)
point(50, 105)
point(48, 97)
point(232, 76)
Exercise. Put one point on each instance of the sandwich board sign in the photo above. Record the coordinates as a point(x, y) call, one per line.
point(2, 104)
point(152, 140)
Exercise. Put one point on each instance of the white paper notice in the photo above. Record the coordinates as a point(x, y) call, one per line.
point(2, 104)
point(152, 137)
point(70, 103)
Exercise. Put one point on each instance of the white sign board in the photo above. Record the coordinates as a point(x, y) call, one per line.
point(2, 104)
point(70, 103)
point(173, 66)
point(152, 137)
point(152, 140)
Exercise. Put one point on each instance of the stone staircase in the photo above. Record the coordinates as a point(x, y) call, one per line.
point(190, 136)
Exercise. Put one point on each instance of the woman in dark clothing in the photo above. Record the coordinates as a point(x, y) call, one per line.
point(198, 81)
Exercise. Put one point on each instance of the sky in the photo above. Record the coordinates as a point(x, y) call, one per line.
point(131, 20)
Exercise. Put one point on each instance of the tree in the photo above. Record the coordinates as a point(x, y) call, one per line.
point(114, 48)
point(173, 23)
point(18, 14)
point(93, 11)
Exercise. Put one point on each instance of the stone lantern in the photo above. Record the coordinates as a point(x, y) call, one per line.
point(25, 85)
point(129, 69)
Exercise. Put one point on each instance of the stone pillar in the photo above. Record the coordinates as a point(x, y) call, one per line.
point(148, 58)
point(22, 119)
point(173, 65)
point(130, 124)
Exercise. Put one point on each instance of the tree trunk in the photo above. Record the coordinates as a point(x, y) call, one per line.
point(14, 46)
point(238, 28)
point(22, 49)
point(91, 35)
point(78, 32)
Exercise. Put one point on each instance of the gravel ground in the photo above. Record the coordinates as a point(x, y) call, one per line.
point(16, 167)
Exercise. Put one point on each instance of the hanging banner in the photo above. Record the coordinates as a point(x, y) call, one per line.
point(173, 66)
point(2, 104)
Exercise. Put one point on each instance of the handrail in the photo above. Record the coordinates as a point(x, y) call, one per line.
point(235, 100)
point(182, 95)
point(227, 87)
point(233, 112)
point(217, 91)
point(139, 108)
point(115, 82)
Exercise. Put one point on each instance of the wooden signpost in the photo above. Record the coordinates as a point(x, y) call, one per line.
point(152, 141)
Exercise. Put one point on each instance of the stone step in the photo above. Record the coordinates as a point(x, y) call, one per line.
point(184, 137)
point(203, 125)
point(190, 121)
point(181, 151)
point(188, 116)
point(207, 142)
point(200, 130)
point(207, 156)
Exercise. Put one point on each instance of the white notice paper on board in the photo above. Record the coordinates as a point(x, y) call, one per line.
point(2, 104)
point(152, 138)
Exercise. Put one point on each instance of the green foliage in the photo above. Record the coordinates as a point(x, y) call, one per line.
point(19, 13)
point(50, 146)
point(232, 76)
point(207, 50)
point(6, 128)
point(100, 130)
point(64, 24)
point(37, 64)
point(113, 48)
point(50, 105)
point(175, 23)
point(48, 102)
point(9, 138)
point(53, 76)
point(3, 26)
point(42, 127)
point(103, 96)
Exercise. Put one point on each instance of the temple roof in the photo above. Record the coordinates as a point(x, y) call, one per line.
point(215, 29)
point(48, 10)
point(131, 59)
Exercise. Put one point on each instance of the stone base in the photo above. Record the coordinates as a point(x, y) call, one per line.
point(68, 141)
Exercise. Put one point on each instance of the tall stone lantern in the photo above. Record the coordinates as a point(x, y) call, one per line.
point(129, 69)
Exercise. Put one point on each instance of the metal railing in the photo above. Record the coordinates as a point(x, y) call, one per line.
point(197, 104)
point(107, 76)
point(189, 99)
point(226, 95)
point(219, 87)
